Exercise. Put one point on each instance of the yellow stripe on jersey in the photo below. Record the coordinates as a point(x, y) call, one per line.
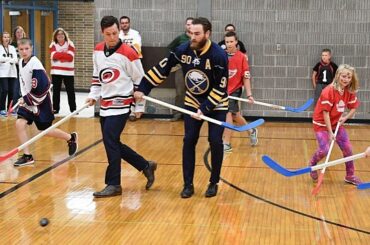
point(189, 101)
point(150, 80)
point(215, 96)
point(192, 97)
point(158, 73)
point(156, 79)
point(213, 101)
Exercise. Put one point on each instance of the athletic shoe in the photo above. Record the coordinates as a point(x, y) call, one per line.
point(73, 144)
point(253, 137)
point(132, 117)
point(228, 148)
point(24, 160)
point(354, 180)
point(3, 113)
point(314, 175)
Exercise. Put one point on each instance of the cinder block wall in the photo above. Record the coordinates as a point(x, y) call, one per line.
point(77, 18)
point(302, 28)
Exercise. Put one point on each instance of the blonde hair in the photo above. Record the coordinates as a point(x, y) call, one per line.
point(2, 35)
point(354, 85)
point(15, 31)
point(55, 33)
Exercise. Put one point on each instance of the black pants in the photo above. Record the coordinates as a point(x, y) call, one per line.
point(192, 129)
point(6, 90)
point(70, 88)
point(112, 127)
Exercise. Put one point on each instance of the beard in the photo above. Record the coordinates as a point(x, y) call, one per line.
point(198, 45)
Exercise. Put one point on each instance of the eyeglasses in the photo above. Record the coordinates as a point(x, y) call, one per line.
point(229, 29)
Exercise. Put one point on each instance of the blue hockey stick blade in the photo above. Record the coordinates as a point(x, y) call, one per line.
point(281, 170)
point(363, 186)
point(246, 127)
point(302, 108)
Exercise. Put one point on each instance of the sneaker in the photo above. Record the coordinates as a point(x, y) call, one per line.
point(354, 180)
point(314, 175)
point(132, 117)
point(3, 113)
point(228, 148)
point(24, 160)
point(253, 137)
point(72, 144)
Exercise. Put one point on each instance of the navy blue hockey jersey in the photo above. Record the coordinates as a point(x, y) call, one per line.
point(205, 76)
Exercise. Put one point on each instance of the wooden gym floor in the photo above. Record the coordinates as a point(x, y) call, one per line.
point(254, 206)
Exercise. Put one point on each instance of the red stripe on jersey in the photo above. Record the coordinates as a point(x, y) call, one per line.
point(116, 102)
point(62, 68)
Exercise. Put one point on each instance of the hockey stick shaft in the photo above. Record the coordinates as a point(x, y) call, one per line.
point(331, 147)
point(41, 134)
point(258, 103)
point(203, 117)
point(338, 161)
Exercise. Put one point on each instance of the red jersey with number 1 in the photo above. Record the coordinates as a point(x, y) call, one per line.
point(333, 102)
point(238, 66)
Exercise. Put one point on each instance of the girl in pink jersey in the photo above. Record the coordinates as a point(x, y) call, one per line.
point(329, 111)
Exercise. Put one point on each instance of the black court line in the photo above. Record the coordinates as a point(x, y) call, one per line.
point(46, 170)
point(206, 163)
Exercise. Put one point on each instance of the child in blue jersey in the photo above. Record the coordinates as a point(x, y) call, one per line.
point(205, 69)
point(35, 104)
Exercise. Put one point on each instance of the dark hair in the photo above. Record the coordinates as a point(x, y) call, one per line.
point(230, 25)
point(207, 26)
point(231, 34)
point(108, 21)
point(125, 17)
point(189, 18)
point(326, 50)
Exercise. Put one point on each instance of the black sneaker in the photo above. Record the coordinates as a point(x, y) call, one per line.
point(24, 160)
point(72, 144)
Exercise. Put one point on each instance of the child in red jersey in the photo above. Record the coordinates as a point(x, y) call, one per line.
point(329, 111)
point(239, 77)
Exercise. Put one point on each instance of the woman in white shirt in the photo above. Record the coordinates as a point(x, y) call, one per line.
point(8, 71)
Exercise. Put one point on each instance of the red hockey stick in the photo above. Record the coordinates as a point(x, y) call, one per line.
point(43, 133)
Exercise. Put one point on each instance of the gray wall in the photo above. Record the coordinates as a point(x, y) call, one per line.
point(301, 27)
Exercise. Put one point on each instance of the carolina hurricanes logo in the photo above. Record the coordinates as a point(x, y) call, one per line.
point(108, 75)
point(340, 106)
point(196, 82)
point(232, 72)
point(34, 83)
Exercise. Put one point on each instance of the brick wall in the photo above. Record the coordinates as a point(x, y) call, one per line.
point(77, 18)
point(301, 27)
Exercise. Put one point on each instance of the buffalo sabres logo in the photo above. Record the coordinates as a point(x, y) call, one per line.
point(232, 72)
point(196, 81)
point(108, 75)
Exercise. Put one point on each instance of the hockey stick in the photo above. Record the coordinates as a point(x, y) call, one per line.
point(316, 189)
point(363, 186)
point(246, 127)
point(289, 173)
point(286, 108)
point(12, 108)
point(41, 134)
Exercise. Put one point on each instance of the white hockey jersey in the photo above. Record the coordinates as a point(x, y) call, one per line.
point(132, 37)
point(62, 58)
point(115, 75)
point(35, 85)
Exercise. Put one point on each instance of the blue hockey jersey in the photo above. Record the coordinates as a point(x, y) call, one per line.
point(205, 76)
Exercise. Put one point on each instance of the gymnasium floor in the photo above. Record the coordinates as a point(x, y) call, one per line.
point(254, 205)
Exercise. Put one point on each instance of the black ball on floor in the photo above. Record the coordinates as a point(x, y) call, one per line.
point(44, 222)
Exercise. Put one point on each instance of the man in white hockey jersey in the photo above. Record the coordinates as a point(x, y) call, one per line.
point(117, 70)
point(132, 37)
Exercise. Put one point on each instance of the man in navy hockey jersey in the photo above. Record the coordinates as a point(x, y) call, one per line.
point(205, 69)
